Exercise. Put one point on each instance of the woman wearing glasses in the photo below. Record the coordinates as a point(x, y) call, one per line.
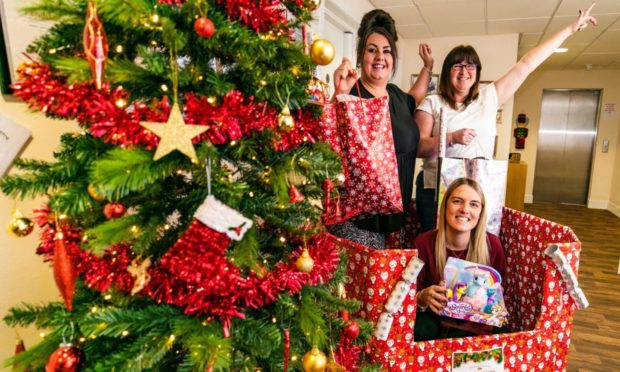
point(470, 111)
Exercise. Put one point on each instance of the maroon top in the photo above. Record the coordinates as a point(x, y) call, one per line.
point(425, 244)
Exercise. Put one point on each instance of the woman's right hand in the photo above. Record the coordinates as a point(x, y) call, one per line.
point(345, 77)
point(462, 136)
point(583, 19)
point(434, 297)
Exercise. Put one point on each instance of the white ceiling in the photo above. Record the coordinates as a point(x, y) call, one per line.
point(533, 20)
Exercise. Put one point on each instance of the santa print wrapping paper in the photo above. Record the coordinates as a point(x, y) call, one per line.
point(539, 305)
point(360, 131)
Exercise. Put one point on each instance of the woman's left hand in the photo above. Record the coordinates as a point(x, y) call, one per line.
point(427, 56)
point(584, 18)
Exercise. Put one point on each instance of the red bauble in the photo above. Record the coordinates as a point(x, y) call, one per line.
point(351, 330)
point(19, 348)
point(64, 272)
point(67, 358)
point(114, 210)
point(204, 27)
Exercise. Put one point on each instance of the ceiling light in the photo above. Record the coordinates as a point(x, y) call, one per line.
point(561, 50)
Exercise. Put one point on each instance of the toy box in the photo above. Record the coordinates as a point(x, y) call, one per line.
point(537, 298)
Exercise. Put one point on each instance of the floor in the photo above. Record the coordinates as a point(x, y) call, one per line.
point(595, 343)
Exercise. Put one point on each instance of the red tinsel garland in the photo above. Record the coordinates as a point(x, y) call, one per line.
point(347, 354)
point(172, 2)
point(235, 118)
point(194, 274)
point(259, 15)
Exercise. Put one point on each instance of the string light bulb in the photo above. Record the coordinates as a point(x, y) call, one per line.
point(120, 103)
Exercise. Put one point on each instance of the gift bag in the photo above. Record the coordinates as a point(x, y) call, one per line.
point(360, 131)
point(490, 174)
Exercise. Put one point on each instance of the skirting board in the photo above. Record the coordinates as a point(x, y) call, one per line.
point(598, 204)
point(593, 204)
point(614, 208)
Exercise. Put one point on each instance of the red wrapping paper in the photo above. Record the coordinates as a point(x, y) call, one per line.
point(360, 131)
point(539, 304)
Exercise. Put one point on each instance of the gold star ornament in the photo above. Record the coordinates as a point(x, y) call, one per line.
point(175, 135)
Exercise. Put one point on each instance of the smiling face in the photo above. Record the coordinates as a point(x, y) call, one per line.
point(463, 209)
point(378, 61)
point(462, 77)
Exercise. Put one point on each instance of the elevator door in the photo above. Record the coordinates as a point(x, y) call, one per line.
point(565, 142)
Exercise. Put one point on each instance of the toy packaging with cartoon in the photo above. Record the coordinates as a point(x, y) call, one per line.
point(474, 293)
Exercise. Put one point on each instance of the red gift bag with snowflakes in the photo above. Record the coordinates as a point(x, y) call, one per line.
point(360, 131)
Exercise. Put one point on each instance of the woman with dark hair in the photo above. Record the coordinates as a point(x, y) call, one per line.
point(377, 57)
point(461, 234)
point(469, 111)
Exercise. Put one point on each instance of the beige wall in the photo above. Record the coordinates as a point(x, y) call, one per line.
point(24, 277)
point(605, 175)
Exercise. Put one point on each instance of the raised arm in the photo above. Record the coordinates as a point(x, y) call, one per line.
point(428, 146)
point(508, 84)
point(420, 88)
point(345, 77)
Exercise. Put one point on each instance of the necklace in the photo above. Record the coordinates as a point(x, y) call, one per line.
point(459, 254)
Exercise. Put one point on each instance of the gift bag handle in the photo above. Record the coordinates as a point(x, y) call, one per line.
point(344, 142)
point(443, 128)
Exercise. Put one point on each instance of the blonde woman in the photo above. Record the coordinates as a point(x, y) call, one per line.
point(461, 233)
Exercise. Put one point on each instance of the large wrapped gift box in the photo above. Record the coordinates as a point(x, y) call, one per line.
point(539, 301)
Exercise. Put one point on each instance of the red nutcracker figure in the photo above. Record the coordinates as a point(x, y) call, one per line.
point(520, 131)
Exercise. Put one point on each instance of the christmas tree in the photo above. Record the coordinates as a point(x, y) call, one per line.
point(183, 224)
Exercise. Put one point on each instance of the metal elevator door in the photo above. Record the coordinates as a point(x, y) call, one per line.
point(565, 144)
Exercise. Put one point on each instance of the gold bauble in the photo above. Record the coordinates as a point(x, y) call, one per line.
point(322, 52)
point(95, 192)
point(20, 226)
point(332, 365)
point(340, 179)
point(341, 291)
point(312, 4)
point(304, 263)
point(314, 361)
point(286, 122)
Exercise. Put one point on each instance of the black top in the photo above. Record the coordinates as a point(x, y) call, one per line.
point(406, 136)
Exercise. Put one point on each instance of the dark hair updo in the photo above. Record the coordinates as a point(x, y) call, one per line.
point(381, 22)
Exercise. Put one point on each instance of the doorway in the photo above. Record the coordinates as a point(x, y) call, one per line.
point(565, 146)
